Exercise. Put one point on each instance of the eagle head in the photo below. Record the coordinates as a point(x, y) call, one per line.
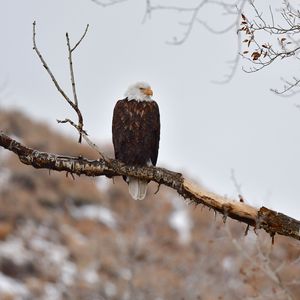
point(140, 91)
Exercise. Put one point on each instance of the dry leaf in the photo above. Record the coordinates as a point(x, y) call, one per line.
point(255, 55)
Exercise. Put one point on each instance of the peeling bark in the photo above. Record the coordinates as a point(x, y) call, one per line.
point(271, 221)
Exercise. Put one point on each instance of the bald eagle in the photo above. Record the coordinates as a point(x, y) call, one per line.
point(136, 133)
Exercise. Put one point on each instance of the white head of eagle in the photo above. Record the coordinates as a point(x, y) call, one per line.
point(140, 91)
point(136, 133)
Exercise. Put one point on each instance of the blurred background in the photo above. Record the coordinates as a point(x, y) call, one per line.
point(86, 238)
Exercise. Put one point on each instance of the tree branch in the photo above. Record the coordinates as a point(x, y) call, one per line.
point(108, 3)
point(282, 41)
point(73, 104)
point(193, 13)
point(269, 220)
point(83, 133)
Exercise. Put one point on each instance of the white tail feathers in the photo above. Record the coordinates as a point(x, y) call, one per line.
point(137, 188)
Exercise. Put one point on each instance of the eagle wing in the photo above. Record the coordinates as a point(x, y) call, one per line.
point(136, 131)
point(155, 132)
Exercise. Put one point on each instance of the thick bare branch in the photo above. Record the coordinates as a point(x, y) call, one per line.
point(269, 220)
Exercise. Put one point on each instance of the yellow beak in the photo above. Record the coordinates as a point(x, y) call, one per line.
point(148, 92)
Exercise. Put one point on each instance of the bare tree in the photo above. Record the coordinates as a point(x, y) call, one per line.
point(271, 221)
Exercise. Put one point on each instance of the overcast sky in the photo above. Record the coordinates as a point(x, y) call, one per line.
point(207, 129)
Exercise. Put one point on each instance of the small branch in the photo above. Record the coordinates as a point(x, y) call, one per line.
point(70, 51)
point(193, 13)
point(84, 134)
point(190, 24)
point(45, 65)
point(262, 263)
point(82, 37)
point(74, 104)
point(269, 220)
point(105, 4)
point(71, 70)
point(288, 88)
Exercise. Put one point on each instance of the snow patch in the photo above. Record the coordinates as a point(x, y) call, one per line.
point(52, 292)
point(68, 273)
point(56, 255)
point(90, 275)
point(110, 289)
point(11, 286)
point(228, 263)
point(14, 249)
point(180, 221)
point(103, 184)
point(5, 174)
point(126, 274)
point(96, 213)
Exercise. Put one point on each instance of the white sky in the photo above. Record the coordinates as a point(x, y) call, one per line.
point(207, 129)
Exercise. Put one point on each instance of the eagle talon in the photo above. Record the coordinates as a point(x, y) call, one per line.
point(157, 190)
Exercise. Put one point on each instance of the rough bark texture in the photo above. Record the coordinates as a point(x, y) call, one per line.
point(269, 220)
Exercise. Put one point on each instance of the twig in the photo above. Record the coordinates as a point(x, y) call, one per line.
point(193, 13)
point(105, 4)
point(72, 71)
point(82, 37)
point(190, 23)
point(70, 50)
point(45, 65)
point(85, 137)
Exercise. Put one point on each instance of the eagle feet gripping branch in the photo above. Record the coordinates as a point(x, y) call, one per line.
point(136, 133)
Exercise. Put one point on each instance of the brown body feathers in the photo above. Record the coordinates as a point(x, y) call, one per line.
point(136, 131)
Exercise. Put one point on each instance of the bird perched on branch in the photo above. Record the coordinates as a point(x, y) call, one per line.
point(136, 133)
